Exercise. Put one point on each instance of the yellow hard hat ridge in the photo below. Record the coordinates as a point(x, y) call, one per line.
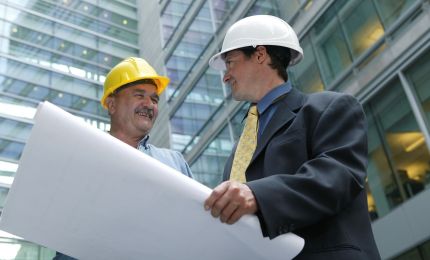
point(130, 70)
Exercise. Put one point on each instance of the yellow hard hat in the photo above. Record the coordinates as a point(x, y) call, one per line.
point(130, 70)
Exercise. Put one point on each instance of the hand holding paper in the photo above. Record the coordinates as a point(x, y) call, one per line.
point(84, 193)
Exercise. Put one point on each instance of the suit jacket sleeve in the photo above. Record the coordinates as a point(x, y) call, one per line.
point(324, 183)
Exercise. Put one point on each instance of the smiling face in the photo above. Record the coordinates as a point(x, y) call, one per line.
point(134, 109)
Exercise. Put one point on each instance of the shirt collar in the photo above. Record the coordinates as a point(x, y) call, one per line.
point(272, 96)
point(144, 142)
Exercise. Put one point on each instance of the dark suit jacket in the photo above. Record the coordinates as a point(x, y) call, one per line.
point(308, 175)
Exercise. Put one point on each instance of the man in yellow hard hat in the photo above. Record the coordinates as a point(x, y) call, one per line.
point(300, 163)
point(131, 93)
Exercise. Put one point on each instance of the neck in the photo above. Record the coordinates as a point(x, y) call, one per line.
point(127, 138)
point(267, 85)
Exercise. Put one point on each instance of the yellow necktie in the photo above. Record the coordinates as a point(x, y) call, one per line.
point(246, 146)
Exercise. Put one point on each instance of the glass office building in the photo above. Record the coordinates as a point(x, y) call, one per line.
point(376, 50)
point(57, 51)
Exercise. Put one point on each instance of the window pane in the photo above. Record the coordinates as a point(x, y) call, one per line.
point(330, 46)
point(198, 107)
point(14, 129)
point(10, 150)
point(398, 155)
point(419, 76)
point(208, 168)
point(362, 25)
point(306, 75)
point(391, 10)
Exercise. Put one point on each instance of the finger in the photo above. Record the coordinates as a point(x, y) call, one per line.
point(215, 195)
point(228, 211)
point(246, 205)
point(231, 195)
point(235, 216)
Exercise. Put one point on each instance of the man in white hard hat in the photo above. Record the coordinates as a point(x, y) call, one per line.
point(300, 163)
point(131, 93)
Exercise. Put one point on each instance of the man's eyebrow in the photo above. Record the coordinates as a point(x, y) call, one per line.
point(230, 55)
point(144, 91)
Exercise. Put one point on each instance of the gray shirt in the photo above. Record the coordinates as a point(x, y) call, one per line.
point(169, 157)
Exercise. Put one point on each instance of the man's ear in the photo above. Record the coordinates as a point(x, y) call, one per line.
point(110, 103)
point(261, 54)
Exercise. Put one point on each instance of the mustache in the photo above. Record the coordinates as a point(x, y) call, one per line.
point(145, 111)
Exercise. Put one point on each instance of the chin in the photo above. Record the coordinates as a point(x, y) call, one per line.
point(237, 97)
point(145, 128)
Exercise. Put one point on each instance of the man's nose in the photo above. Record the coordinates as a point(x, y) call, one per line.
point(147, 101)
point(226, 77)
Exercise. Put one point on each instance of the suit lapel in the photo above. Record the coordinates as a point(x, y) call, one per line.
point(285, 112)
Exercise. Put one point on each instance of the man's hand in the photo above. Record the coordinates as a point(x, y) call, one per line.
point(230, 201)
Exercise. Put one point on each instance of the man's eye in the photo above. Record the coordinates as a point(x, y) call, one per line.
point(154, 100)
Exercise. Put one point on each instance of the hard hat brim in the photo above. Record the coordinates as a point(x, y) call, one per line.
point(216, 62)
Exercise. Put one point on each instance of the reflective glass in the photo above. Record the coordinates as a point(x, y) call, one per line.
point(3, 195)
point(398, 155)
point(17, 70)
point(195, 40)
point(116, 49)
point(419, 76)
point(330, 45)
point(85, 16)
point(65, 32)
point(306, 75)
point(29, 20)
point(120, 8)
point(391, 10)
point(10, 150)
point(189, 49)
point(198, 107)
point(220, 10)
point(264, 7)
point(208, 168)
point(22, 250)
point(76, 86)
point(361, 24)
point(14, 129)
point(412, 254)
point(58, 97)
point(290, 8)
point(171, 16)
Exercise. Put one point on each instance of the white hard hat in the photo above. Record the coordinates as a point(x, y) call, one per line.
point(258, 30)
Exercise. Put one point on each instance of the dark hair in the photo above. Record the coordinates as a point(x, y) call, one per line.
point(280, 57)
point(137, 82)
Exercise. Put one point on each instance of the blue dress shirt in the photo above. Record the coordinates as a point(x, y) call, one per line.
point(265, 105)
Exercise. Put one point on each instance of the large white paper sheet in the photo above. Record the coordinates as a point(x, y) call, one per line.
point(84, 193)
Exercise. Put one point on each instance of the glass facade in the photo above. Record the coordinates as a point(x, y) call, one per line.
point(56, 51)
point(398, 156)
point(208, 93)
point(340, 37)
point(60, 51)
point(171, 16)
